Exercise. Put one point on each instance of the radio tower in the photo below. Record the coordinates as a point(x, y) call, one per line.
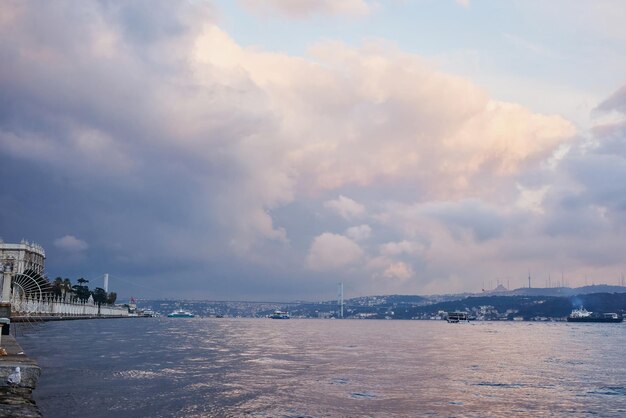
point(340, 300)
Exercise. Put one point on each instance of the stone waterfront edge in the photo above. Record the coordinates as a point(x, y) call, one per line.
point(17, 401)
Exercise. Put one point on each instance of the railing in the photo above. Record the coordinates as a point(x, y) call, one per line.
point(54, 306)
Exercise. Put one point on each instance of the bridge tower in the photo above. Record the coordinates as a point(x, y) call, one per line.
point(340, 300)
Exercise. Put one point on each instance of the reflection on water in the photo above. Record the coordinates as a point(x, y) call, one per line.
point(320, 368)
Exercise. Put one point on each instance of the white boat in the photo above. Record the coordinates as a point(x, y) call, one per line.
point(279, 315)
point(179, 313)
point(583, 315)
point(149, 313)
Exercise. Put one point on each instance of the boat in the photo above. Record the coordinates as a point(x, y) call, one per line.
point(149, 313)
point(279, 315)
point(179, 313)
point(456, 317)
point(583, 315)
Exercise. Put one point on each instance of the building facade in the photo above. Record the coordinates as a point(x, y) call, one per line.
point(24, 256)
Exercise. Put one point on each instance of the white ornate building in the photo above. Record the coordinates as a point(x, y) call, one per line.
point(25, 256)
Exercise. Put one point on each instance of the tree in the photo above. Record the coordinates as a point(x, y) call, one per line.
point(57, 287)
point(111, 298)
point(81, 290)
point(67, 287)
point(99, 296)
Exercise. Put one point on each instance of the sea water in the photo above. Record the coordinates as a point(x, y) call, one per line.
point(160, 367)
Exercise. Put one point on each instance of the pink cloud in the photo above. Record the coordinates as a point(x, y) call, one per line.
point(300, 9)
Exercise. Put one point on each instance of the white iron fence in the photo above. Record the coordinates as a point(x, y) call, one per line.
point(54, 306)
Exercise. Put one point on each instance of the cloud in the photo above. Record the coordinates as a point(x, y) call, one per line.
point(175, 147)
point(603, 21)
point(332, 251)
point(391, 270)
point(615, 102)
point(70, 244)
point(301, 9)
point(346, 207)
point(531, 199)
point(400, 248)
point(525, 44)
point(359, 233)
point(398, 270)
point(373, 126)
point(465, 220)
point(464, 3)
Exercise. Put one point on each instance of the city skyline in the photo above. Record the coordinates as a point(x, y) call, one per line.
point(271, 149)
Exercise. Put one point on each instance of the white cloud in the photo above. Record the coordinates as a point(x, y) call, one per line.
point(398, 270)
point(70, 244)
point(332, 251)
point(389, 268)
point(531, 199)
point(401, 247)
point(300, 9)
point(346, 207)
point(359, 233)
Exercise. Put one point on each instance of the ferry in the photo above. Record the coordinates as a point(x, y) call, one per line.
point(149, 313)
point(181, 314)
point(279, 315)
point(583, 315)
point(456, 317)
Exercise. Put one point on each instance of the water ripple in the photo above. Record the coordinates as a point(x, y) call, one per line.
point(317, 368)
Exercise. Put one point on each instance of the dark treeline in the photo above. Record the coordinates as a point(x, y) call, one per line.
point(64, 289)
point(526, 306)
point(508, 307)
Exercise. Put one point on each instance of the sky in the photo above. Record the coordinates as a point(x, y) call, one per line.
point(268, 150)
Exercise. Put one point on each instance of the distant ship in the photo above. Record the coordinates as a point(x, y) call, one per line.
point(457, 317)
point(583, 315)
point(149, 313)
point(181, 314)
point(279, 315)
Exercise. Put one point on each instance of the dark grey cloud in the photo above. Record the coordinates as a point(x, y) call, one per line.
point(88, 146)
point(483, 222)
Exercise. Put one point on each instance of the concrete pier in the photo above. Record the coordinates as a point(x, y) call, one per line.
point(16, 401)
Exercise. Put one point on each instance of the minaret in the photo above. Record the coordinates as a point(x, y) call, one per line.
point(529, 279)
point(106, 282)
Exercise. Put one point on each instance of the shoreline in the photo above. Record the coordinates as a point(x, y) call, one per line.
point(47, 318)
point(18, 401)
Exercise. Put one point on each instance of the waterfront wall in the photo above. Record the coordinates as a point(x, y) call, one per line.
point(17, 401)
point(59, 307)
